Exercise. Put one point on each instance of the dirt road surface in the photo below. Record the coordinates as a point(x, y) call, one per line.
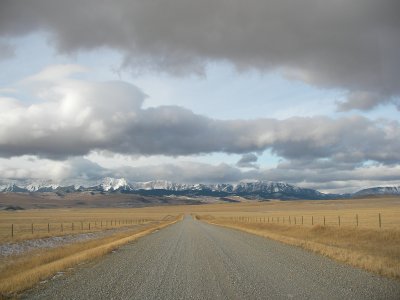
point(194, 260)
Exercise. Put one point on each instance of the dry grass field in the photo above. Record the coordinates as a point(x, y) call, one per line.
point(19, 272)
point(23, 272)
point(313, 212)
point(86, 200)
point(38, 223)
point(371, 245)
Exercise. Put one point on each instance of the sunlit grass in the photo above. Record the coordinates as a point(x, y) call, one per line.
point(373, 249)
point(35, 223)
point(22, 272)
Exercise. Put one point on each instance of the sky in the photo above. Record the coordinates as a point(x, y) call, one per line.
point(301, 91)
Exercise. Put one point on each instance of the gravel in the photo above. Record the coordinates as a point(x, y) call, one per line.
point(193, 260)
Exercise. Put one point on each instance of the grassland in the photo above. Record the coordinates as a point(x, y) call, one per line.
point(19, 272)
point(39, 223)
point(367, 211)
point(369, 246)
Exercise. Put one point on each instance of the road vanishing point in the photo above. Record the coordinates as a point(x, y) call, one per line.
point(195, 260)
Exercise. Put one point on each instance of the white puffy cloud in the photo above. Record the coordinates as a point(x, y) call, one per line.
point(72, 117)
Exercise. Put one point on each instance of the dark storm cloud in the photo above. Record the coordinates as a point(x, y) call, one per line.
point(351, 45)
point(73, 117)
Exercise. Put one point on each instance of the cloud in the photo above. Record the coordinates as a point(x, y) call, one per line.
point(73, 117)
point(362, 101)
point(183, 172)
point(332, 177)
point(72, 170)
point(248, 160)
point(6, 51)
point(350, 45)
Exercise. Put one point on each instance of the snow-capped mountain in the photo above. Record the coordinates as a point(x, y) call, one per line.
point(41, 186)
point(382, 190)
point(160, 185)
point(250, 189)
point(28, 186)
point(13, 188)
point(255, 189)
point(114, 184)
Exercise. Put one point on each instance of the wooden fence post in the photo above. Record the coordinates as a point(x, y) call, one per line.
point(32, 228)
point(324, 220)
point(380, 221)
point(48, 227)
point(357, 220)
point(12, 230)
point(312, 220)
point(339, 220)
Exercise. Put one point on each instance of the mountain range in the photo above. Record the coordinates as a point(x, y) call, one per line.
point(252, 189)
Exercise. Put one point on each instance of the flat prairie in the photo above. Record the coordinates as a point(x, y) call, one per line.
point(364, 212)
point(21, 271)
point(380, 212)
point(364, 233)
point(38, 223)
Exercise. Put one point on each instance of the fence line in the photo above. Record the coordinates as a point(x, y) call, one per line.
point(375, 220)
point(61, 227)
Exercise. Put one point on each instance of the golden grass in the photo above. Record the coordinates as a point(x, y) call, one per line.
point(21, 273)
point(367, 246)
point(70, 221)
point(376, 250)
point(367, 211)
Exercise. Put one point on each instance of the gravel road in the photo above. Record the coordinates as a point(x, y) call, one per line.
point(194, 260)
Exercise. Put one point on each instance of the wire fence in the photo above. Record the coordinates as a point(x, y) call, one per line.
point(376, 220)
point(13, 230)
